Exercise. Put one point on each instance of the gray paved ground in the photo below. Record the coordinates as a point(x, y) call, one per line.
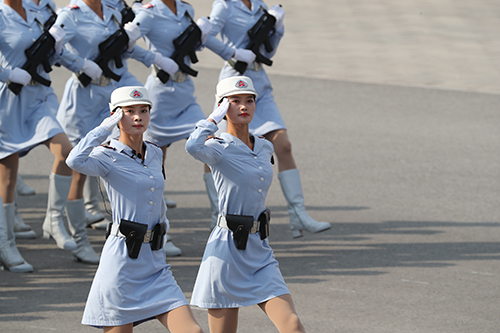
point(394, 124)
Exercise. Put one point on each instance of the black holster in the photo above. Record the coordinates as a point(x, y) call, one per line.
point(159, 232)
point(264, 222)
point(240, 225)
point(134, 236)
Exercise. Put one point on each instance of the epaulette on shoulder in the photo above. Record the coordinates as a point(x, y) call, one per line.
point(108, 147)
point(148, 5)
point(154, 144)
point(72, 6)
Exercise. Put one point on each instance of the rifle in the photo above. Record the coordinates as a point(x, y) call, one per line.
point(110, 49)
point(38, 54)
point(185, 45)
point(259, 34)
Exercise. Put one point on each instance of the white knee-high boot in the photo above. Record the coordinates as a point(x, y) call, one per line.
point(22, 188)
point(53, 225)
point(212, 196)
point(24, 267)
point(75, 212)
point(21, 229)
point(93, 215)
point(299, 219)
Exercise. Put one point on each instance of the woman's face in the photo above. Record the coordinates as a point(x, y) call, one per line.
point(135, 119)
point(241, 109)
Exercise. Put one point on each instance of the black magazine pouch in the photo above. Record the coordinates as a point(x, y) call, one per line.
point(159, 232)
point(264, 220)
point(134, 236)
point(240, 225)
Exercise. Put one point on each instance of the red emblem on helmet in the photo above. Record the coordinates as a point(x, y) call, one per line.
point(241, 84)
point(136, 94)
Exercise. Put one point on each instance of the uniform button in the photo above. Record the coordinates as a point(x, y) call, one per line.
point(34, 39)
point(261, 179)
point(152, 189)
point(255, 157)
point(145, 167)
point(260, 191)
point(151, 203)
point(31, 29)
point(151, 177)
point(260, 168)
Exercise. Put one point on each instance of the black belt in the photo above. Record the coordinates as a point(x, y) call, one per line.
point(137, 233)
point(242, 225)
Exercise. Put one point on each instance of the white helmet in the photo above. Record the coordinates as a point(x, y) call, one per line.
point(235, 85)
point(131, 95)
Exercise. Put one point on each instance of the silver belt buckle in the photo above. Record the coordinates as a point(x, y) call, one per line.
point(32, 82)
point(257, 66)
point(179, 77)
point(147, 236)
point(255, 227)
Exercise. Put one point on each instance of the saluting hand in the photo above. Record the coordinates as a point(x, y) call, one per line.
point(19, 75)
point(220, 112)
point(110, 122)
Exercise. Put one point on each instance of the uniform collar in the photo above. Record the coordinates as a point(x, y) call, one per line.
point(126, 150)
point(257, 146)
point(182, 9)
point(13, 15)
point(240, 5)
point(107, 12)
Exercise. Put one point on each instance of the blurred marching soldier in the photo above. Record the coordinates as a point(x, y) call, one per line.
point(85, 99)
point(26, 117)
point(232, 20)
point(162, 23)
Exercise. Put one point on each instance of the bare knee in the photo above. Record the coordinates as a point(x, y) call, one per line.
point(283, 148)
point(293, 324)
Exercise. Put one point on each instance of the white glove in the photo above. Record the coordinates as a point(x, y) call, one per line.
point(19, 75)
point(58, 33)
point(110, 122)
point(206, 27)
point(218, 114)
point(279, 14)
point(167, 64)
point(133, 32)
point(244, 55)
point(92, 69)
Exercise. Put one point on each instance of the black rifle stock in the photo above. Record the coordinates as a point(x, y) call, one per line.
point(110, 49)
point(259, 34)
point(38, 54)
point(185, 45)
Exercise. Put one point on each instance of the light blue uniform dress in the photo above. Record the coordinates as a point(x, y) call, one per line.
point(26, 120)
point(127, 290)
point(83, 108)
point(232, 19)
point(229, 277)
point(175, 110)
